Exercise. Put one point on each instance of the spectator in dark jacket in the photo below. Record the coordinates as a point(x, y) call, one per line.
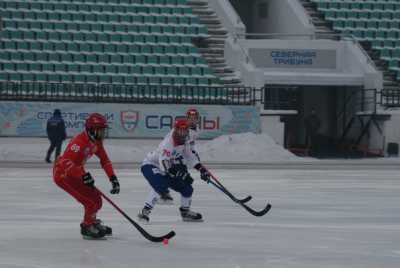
point(313, 124)
point(56, 134)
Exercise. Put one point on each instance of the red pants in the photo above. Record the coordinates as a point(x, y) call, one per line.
point(89, 197)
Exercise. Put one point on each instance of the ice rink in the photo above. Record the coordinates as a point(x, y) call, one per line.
point(323, 215)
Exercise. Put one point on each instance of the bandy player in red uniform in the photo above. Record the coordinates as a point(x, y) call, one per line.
point(69, 173)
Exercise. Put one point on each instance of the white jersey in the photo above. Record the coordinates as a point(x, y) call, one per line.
point(167, 152)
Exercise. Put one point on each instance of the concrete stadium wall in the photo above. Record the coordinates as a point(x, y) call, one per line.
point(351, 67)
point(228, 16)
point(283, 16)
point(287, 17)
point(271, 124)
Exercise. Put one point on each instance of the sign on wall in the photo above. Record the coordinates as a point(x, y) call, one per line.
point(126, 120)
point(293, 58)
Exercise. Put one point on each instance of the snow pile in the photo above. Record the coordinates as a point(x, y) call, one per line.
point(241, 148)
point(247, 147)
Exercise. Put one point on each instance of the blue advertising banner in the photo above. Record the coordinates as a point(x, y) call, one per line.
point(126, 120)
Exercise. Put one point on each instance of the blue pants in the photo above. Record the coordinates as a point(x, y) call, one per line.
point(161, 183)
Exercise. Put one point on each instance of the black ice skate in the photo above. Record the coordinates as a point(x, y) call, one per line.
point(165, 199)
point(105, 229)
point(91, 232)
point(188, 215)
point(144, 214)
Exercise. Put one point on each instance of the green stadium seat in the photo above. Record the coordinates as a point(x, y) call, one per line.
point(66, 78)
point(189, 61)
point(71, 40)
point(172, 71)
point(147, 70)
point(117, 79)
point(79, 78)
point(8, 66)
point(60, 67)
point(66, 57)
point(140, 59)
point(153, 60)
point(15, 76)
point(35, 67)
point(184, 71)
point(176, 60)
point(105, 79)
point(203, 81)
point(164, 60)
point(130, 80)
point(41, 56)
point(3, 76)
point(178, 81)
point(159, 70)
point(154, 80)
point(115, 58)
point(136, 69)
point(17, 56)
point(166, 80)
point(21, 66)
point(190, 81)
point(142, 80)
point(41, 77)
point(54, 77)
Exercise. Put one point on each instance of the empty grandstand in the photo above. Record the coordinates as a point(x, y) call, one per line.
point(119, 42)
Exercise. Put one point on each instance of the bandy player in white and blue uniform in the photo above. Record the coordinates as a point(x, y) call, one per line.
point(192, 117)
point(167, 168)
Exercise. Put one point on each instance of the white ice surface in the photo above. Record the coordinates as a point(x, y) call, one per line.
point(332, 217)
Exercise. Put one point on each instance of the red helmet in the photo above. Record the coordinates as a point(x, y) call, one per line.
point(96, 121)
point(95, 125)
point(181, 131)
point(192, 115)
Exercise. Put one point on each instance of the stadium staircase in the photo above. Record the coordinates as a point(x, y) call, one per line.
point(137, 42)
point(321, 25)
point(212, 48)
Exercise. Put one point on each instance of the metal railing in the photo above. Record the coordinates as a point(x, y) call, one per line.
point(279, 98)
point(307, 36)
point(70, 92)
point(389, 98)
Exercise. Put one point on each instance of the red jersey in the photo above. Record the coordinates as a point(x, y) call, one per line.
point(78, 151)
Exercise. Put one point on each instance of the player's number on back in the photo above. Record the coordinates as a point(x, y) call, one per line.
point(75, 148)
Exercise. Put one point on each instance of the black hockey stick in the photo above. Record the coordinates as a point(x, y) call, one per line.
point(137, 226)
point(237, 200)
point(245, 200)
point(234, 198)
point(250, 210)
point(221, 187)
